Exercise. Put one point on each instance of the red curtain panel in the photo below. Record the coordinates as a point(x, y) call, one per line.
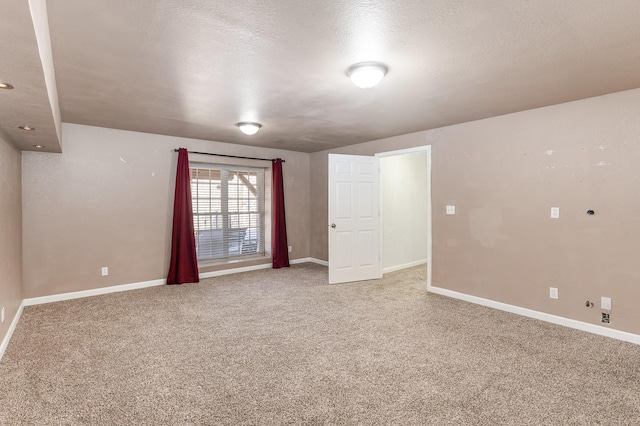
point(279, 246)
point(184, 263)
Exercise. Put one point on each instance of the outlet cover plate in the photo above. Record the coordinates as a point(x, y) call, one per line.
point(605, 303)
point(555, 212)
point(105, 271)
point(553, 292)
point(451, 210)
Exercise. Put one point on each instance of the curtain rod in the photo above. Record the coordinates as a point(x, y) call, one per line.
point(230, 156)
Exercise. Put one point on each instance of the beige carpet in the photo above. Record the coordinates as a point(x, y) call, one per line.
point(276, 347)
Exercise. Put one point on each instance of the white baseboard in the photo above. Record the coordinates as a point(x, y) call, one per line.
point(12, 327)
point(310, 260)
point(257, 267)
point(403, 266)
point(135, 286)
point(567, 322)
point(95, 292)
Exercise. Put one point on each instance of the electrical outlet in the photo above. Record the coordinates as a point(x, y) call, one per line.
point(105, 271)
point(553, 292)
point(605, 303)
point(555, 212)
point(451, 210)
point(3, 314)
point(290, 249)
point(605, 318)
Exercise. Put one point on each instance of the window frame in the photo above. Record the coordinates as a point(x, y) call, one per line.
point(262, 240)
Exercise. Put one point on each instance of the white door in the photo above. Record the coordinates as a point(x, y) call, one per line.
point(354, 218)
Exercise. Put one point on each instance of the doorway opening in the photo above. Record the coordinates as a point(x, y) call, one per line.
point(405, 209)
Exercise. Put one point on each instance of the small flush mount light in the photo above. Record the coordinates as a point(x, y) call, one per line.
point(26, 128)
point(249, 128)
point(367, 74)
point(38, 146)
point(5, 85)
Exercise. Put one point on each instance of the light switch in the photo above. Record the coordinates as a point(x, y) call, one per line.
point(451, 209)
point(555, 212)
point(605, 303)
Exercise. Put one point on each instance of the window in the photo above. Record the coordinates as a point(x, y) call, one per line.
point(228, 211)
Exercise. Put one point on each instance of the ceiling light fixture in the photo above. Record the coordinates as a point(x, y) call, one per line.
point(26, 128)
point(5, 85)
point(367, 74)
point(249, 128)
point(38, 146)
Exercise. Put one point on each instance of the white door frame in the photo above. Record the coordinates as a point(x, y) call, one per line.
point(426, 148)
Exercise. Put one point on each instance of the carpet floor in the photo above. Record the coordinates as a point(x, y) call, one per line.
point(274, 347)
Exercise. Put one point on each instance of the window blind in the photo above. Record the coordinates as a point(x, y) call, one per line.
point(228, 211)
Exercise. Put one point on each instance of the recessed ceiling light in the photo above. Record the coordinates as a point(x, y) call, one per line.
point(5, 85)
point(367, 74)
point(249, 128)
point(26, 128)
point(38, 146)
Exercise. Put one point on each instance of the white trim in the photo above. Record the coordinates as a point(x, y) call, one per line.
point(429, 221)
point(12, 327)
point(135, 286)
point(258, 267)
point(403, 151)
point(567, 322)
point(95, 292)
point(312, 260)
point(404, 266)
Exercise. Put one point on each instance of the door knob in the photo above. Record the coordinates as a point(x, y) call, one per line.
point(333, 225)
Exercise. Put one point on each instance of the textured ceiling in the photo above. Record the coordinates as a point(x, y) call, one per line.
point(25, 62)
point(194, 68)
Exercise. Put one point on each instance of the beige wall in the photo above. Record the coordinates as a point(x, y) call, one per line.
point(504, 174)
point(108, 201)
point(11, 232)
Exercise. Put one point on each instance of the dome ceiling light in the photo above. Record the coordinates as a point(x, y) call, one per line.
point(249, 128)
point(5, 85)
point(367, 74)
point(26, 128)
